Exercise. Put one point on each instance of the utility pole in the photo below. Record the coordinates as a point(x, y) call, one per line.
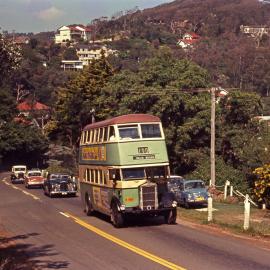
point(213, 137)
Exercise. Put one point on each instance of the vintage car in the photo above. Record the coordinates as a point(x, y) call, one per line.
point(59, 184)
point(18, 174)
point(34, 178)
point(188, 192)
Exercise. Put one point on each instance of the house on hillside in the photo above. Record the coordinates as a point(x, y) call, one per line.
point(188, 40)
point(86, 53)
point(33, 112)
point(74, 65)
point(255, 31)
point(73, 33)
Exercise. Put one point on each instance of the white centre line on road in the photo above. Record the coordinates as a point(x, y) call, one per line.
point(64, 214)
point(23, 191)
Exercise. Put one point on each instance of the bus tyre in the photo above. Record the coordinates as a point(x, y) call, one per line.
point(116, 217)
point(170, 216)
point(88, 206)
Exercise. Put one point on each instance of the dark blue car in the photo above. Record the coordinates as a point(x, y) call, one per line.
point(188, 192)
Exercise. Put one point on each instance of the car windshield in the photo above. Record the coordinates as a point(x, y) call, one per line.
point(176, 181)
point(65, 177)
point(59, 180)
point(134, 173)
point(194, 184)
point(34, 174)
point(19, 169)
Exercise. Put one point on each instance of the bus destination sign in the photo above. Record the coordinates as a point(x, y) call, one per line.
point(97, 153)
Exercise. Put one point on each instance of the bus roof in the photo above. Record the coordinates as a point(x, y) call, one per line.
point(124, 119)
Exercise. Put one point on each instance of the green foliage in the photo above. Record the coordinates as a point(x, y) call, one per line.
point(22, 143)
point(223, 171)
point(82, 96)
point(240, 107)
point(70, 54)
point(7, 106)
point(262, 183)
point(10, 57)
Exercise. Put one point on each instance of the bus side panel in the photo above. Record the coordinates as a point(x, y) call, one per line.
point(100, 197)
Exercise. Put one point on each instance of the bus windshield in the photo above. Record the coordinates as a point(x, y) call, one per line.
point(129, 132)
point(151, 131)
point(133, 173)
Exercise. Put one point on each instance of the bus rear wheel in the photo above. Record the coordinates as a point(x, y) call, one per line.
point(116, 217)
point(88, 206)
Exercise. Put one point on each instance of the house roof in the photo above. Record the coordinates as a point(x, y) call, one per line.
point(193, 35)
point(124, 119)
point(30, 106)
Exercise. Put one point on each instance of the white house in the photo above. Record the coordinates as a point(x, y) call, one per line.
point(72, 33)
point(86, 53)
point(71, 64)
point(188, 40)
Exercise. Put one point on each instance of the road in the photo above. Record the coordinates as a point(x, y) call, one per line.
point(56, 234)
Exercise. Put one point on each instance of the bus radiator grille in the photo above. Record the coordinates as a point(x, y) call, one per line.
point(148, 197)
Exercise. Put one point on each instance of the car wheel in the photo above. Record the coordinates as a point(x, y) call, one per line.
point(186, 204)
point(88, 205)
point(116, 217)
point(170, 216)
point(50, 194)
point(267, 203)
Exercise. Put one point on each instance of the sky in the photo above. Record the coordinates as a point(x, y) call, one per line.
point(35, 16)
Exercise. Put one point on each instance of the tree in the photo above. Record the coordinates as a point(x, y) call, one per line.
point(10, 57)
point(20, 143)
point(70, 54)
point(82, 96)
point(156, 89)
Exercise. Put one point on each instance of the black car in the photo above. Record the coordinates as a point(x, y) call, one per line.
point(58, 184)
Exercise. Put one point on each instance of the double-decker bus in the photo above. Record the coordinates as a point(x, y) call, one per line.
point(124, 168)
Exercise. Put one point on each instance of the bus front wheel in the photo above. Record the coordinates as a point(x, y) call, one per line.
point(170, 216)
point(116, 217)
point(88, 206)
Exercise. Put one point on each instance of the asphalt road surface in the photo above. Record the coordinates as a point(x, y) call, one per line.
point(56, 234)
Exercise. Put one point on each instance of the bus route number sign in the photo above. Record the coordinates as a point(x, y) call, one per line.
point(143, 153)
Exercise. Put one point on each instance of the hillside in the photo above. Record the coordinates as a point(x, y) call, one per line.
point(211, 17)
point(232, 58)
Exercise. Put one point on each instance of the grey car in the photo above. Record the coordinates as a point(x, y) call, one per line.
point(59, 184)
point(188, 192)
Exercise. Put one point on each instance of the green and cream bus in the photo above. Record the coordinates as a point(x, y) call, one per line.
point(124, 167)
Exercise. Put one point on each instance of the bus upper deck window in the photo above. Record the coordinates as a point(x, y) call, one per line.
point(88, 136)
point(100, 138)
point(129, 132)
point(111, 133)
point(105, 134)
point(151, 131)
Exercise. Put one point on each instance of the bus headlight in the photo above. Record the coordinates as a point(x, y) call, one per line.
point(174, 203)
